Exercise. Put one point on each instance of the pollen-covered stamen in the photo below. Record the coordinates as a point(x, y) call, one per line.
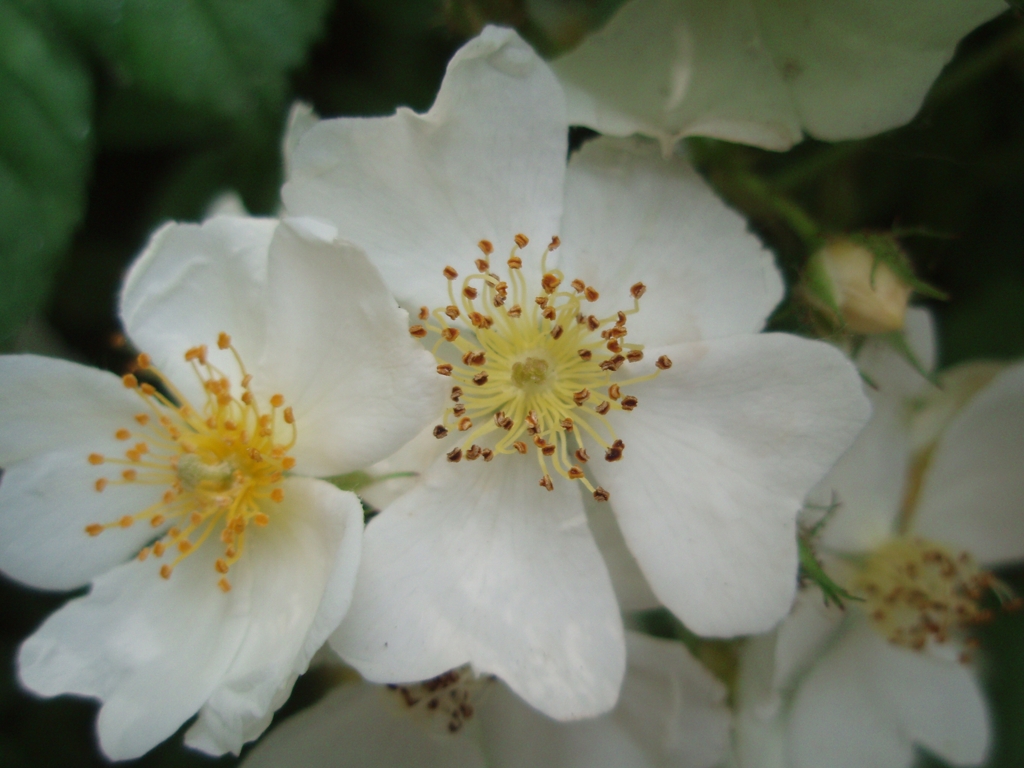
point(221, 464)
point(537, 368)
point(917, 592)
point(445, 703)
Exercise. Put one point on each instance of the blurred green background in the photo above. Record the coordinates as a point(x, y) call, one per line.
point(121, 114)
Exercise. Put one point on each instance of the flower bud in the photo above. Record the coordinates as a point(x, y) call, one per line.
point(857, 289)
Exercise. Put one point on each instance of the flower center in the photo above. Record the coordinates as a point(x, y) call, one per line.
point(220, 464)
point(535, 368)
point(918, 592)
point(445, 702)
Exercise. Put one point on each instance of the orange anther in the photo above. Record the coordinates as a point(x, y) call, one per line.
point(450, 334)
point(486, 247)
point(225, 585)
point(566, 424)
point(289, 415)
point(174, 533)
point(580, 397)
point(277, 495)
point(593, 323)
point(129, 381)
point(515, 310)
point(424, 313)
point(545, 482)
point(522, 240)
point(600, 494)
point(637, 290)
point(549, 314)
point(454, 455)
point(575, 473)
point(465, 423)
point(603, 407)
point(247, 397)
point(482, 265)
point(147, 389)
point(480, 379)
point(101, 484)
point(95, 529)
point(223, 340)
point(470, 292)
point(440, 432)
point(165, 571)
point(555, 242)
point(287, 463)
point(143, 361)
point(142, 448)
point(663, 363)
point(629, 403)
point(255, 455)
point(159, 548)
point(487, 453)
point(142, 418)
point(550, 282)
point(246, 380)
point(157, 520)
point(126, 521)
point(452, 311)
point(220, 566)
point(582, 456)
point(262, 519)
point(614, 392)
point(585, 354)
point(591, 294)
point(578, 285)
point(556, 332)
point(520, 446)
point(450, 273)
point(514, 262)
point(634, 355)
point(277, 401)
point(133, 455)
point(184, 546)
point(143, 553)
point(95, 458)
point(417, 331)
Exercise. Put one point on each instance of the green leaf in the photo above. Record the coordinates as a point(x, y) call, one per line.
point(179, 67)
point(45, 153)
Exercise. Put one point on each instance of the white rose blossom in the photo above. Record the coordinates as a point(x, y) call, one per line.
point(763, 72)
point(704, 434)
point(183, 494)
point(928, 499)
point(671, 714)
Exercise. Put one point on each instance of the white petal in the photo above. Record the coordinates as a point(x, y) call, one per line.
point(758, 72)
point(938, 703)
point(972, 492)
point(631, 587)
point(889, 371)
point(53, 414)
point(479, 564)
point(301, 118)
point(302, 570)
point(837, 718)
point(153, 650)
point(356, 726)
point(719, 456)
point(517, 736)
point(419, 191)
point(191, 283)
point(339, 349)
point(672, 706)
point(400, 471)
point(632, 216)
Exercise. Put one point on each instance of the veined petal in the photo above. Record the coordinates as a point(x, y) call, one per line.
point(419, 192)
point(631, 587)
point(152, 650)
point(339, 348)
point(194, 281)
point(302, 570)
point(357, 725)
point(479, 564)
point(719, 456)
point(632, 216)
point(760, 72)
point(972, 491)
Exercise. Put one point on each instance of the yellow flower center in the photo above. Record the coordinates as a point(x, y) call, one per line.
point(446, 702)
point(220, 464)
point(918, 592)
point(536, 368)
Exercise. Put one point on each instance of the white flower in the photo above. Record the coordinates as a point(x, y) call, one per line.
point(706, 446)
point(671, 715)
point(911, 535)
point(762, 72)
point(279, 355)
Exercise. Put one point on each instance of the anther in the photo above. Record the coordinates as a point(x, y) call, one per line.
point(444, 369)
point(474, 357)
point(613, 364)
point(94, 530)
point(129, 381)
point(600, 494)
point(95, 458)
point(663, 363)
point(452, 311)
point(247, 398)
point(143, 361)
point(634, 355)
point(522, 240)
point(220, 566)
point(470, 292)
point(129, 475)
point(165, 571)
point(566, 424)
point(287, 463)
point(556, 332)
point(458, 409)
point(147, 389)
point(450, 334)
point(480, 379)
point(277, 495)
point(637, 290)
point(520, 446)
point(486, 247)
point(614, 392)
point(578, 285)
point(122, 434)
point(455, 455)
point(591, 294)
point(225, 585)
point(582, 456)
point(593, 323)
point(261, 519)
point(158, 549)
point(465, 423)
point(514, 262)
point(498, 300)
point(575, 473)
point(487, 453)
point(585, 354)
point(424, 313)
point(142, 418)
point(629, 403)
point(143, 554)
point(184, 546)
point(615, 452)
point(456, 393)
point(515, 310)
point(549, 313)
point(157, 520)
point(417, 331)
point(450, 273)
point(223, 340)
point(603, 407)
point(289, 415)
point(545, 482)
point(548, 450)
point(440, 431)
point(541, 301)
point(614, 346)
point(550, 282)
point(555, 242)
point(580, 397)
point(255, 455)
point(474, 452)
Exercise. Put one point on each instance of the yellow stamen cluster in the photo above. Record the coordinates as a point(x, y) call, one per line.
point(446, 700)
point(220, 464)
point(918, 592)
point(535, 368)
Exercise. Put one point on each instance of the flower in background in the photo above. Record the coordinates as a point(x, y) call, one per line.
point(930, 497)
point(183, 493)
point(761, 72)
point(598, 329)
point(671, 715)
